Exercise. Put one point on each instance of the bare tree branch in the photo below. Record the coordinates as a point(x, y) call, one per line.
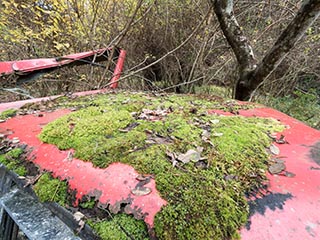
point(234, 35)
point(250, 74)
point(168, 53)
point(308, 13)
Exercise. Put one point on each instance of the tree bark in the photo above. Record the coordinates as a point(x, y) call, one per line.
point(250, 74)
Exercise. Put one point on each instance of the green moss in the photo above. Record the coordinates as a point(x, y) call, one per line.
point(49, 189)
point(8, 113)
point(12, 161)
point(113, 229)
point(89, 203)
point(214, 90)
point(203, 202)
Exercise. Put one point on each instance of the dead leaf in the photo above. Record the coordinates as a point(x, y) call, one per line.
point(289, 174)
point(129, 127)
point(274, 149)
point(172, 155)
point(78, 216)
point(281, 140)
point(215, 121)
point(142, 177)
point(158, 140)
point(81, 225)
point(200, 149)
point(15, 140)
point(277, 160)
point(141, 191)
point(277, 168)
point(154, 115)
point(190, 155)
point(205, 135)
point(217, 134)
point(201, 165)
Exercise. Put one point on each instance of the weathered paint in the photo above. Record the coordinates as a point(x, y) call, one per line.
point(299, 216)
point(117, 71)
point(289, 211)
point(112, 185)
point(30, 65)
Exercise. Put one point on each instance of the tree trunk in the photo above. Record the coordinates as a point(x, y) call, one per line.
point(250, 74)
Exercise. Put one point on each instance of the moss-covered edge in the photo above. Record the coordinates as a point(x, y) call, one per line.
point(8, 113)
point(12, 161)
point(235, 165)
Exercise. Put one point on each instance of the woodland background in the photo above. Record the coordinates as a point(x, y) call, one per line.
point(183, 34)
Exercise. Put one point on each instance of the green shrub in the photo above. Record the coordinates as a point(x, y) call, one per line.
point(302, 106)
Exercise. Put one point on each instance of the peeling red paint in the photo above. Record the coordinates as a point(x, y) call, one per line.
point(300, 216)
point(114, 183)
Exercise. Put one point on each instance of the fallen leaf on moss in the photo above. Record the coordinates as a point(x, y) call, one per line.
point(201, 165)
point(153, 115)
point(205, 135)
point(217, 134)
point(129, 127)
point(158, 140)
point(280, 140)
point(190, 155)
point(215, 121)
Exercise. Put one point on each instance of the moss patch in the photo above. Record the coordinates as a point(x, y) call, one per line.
point(206, 196)
point(12, 161)
point(8, 113)
point(121, 227)
point(49, 189)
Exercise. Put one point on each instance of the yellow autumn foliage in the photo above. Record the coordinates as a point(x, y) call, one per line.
point(54, 27)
